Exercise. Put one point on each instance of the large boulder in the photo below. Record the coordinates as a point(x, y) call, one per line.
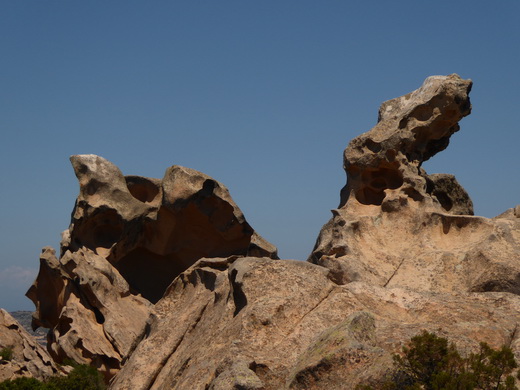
point(27, 357)
point(383, 164)
point(129, 238)
point(251, 323)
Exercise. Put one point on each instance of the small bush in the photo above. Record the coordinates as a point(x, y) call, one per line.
point(22, 384)
point(430, 362)
point(6, 353)
point(82, 377)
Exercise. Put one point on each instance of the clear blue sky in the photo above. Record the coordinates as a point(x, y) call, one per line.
point(261, 95)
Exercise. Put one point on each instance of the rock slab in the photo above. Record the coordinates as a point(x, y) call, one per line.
point(28, 358)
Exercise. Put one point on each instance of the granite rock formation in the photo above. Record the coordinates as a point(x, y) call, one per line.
point(163, 285)
point(403, 253)
point(129, 238)
point(28, 357)
point(252, 323)
point(383, 165)
point(398, 226)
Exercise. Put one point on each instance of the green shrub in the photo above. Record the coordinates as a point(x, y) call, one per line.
point(430, 362)
point(22, 384)
point(82, 377)
point(6, 353)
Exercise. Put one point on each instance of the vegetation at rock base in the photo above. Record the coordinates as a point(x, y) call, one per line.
point(6, 354)
point(82, 377)
point(430, 362)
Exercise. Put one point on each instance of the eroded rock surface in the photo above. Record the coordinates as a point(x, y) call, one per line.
point(398, 226)
point(28, 357)
point(251, 323)
point(166, 282)
point(384, 163)
point(129, 238)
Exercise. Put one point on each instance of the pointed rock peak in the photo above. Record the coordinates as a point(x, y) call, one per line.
point(94, 173)
point(383, 165)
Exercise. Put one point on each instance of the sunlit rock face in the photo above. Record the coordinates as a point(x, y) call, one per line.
point(383, 164)
point(398, 226)
point(253, 323)
point(129, 238)
point(28, 358)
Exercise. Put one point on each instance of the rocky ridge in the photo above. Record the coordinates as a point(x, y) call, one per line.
point(163, 284)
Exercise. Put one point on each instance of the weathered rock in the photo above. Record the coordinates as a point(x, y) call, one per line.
point(129, 238)
point(93, 316)
point(28, 357)
point(398, 226)
point(167, 281)
point(450, 194)
point(384, 163)
point(250, 323)
point(151, 230)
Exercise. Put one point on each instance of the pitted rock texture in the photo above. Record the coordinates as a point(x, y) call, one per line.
point(28, 357)
point(453, 198)
point(151, 230)
point(397, 225)
point(129, 238)
point(385, 162)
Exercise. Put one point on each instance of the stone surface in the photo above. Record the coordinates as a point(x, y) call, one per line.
point(251, 323)
point(129, 238)
point(450, 194)
point(384, 163)
point(28, 357)
point(92, 315)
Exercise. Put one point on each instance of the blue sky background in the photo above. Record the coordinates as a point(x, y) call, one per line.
point(261, 95)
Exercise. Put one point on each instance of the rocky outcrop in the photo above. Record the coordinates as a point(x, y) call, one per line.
point(92, 315)
point(398, 226)
point(28, 358)
point(383, 165)
point(151, 230)
point(251, 323)
point(163, 285)
point(129, 238)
